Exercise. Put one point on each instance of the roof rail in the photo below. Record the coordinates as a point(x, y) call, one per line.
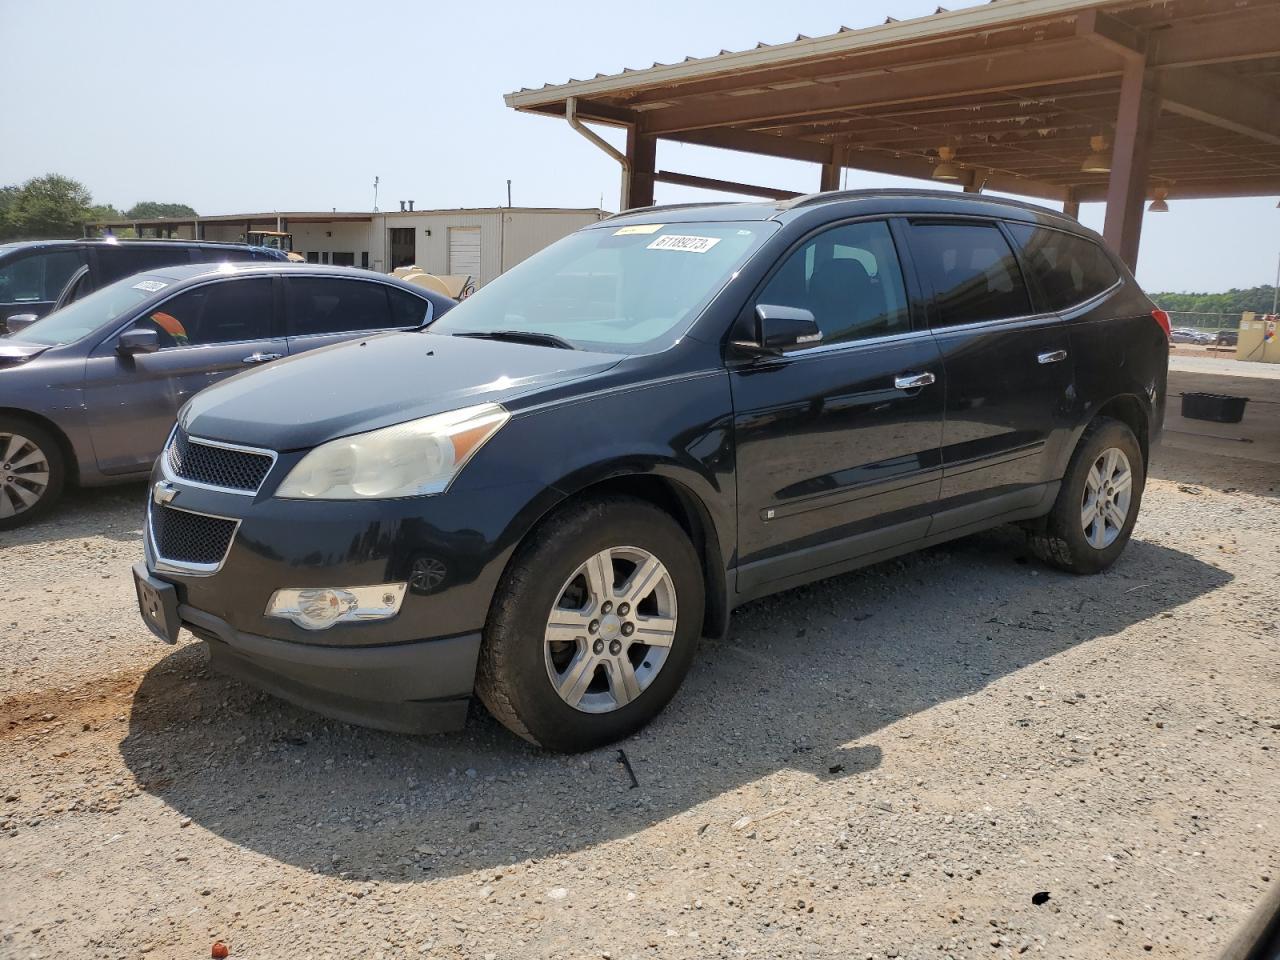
point(810, 199)
point(667, 206)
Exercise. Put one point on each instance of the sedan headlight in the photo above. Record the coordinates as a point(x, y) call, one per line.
point(407, 460)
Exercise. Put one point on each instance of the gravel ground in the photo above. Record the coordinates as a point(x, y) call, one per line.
point(900, 762)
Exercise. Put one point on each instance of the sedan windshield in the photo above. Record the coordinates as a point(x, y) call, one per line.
point(81, 318)
point(628, 289)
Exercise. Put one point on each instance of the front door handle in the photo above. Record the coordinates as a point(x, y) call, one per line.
point(262, 357)
point(913, 381)
point(1052, 356)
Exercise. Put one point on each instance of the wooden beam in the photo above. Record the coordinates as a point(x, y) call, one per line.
point(1111, 34)
point(1206, 188)
point(1055, 63)
point(1135, 129)
point(725, 186)
point(1204, 94)
point(832, 169)
point(642, 158)
point(1248, 34)
point(747, 141)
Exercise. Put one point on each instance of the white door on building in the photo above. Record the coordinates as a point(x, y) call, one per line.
point(464, 252)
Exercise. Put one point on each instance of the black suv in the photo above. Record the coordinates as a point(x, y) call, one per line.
point(555, 489)
point(34, 273)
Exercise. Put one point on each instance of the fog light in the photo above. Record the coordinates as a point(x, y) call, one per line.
point(318, 608)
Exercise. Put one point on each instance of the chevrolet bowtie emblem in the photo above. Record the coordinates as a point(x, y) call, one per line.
point(163, 492)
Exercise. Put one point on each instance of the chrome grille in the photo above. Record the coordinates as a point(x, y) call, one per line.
point(190, 539)
point(217, 465)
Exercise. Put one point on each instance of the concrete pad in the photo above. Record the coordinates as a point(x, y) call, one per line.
point(1256, 437)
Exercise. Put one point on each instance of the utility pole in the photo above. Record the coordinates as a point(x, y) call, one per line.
point(508, 193)
point(375, 194)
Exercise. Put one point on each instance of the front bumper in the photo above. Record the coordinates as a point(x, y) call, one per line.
point(411, 673)
point(419, 687)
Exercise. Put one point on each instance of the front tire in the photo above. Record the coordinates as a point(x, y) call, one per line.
point(1097, 505)
point(594, 625)
point(32, 471)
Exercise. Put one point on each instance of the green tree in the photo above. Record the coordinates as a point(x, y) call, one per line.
point(148, 209)
point(1234, 301)
point(45, 207)
point(102, 211)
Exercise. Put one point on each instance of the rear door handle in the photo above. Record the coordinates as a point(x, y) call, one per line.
point(1052, 356)
point(913, 381)
point(262, 357)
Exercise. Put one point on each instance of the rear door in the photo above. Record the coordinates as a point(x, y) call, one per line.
point(30, 281)
point(324, 310)
point(838, 443)
point(1009, 372)
point(207, 333)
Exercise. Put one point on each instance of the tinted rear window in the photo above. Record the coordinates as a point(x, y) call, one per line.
point(972, 271)
point(1069, 269)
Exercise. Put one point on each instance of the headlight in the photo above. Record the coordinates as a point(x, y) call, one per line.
point(407, 460)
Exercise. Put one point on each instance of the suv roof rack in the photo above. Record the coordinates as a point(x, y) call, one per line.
point(667, 206)
point(812, 199)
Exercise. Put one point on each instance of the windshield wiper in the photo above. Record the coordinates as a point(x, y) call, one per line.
point(520, 336)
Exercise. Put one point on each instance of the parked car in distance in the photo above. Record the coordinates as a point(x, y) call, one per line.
point(577, 472)
point(33, 273)
point(1227, 338)
point(1184, 335)
point(89, 393)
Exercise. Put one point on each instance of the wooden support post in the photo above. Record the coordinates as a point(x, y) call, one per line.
point(1130, 157)
point(642, 156)
point(976, 180)
point(832, 169)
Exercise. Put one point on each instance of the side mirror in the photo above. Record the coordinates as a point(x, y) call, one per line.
point(20, 321)
point(777, 329)
point(137, 341)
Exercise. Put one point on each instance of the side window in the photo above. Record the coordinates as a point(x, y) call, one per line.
point(333, 305)
point(849, 278)
point(220, 254)
point(224, 312)
point(39, 276)
point(125, 259)
point(407, 310)
point(1069, 269)
point(971, 270)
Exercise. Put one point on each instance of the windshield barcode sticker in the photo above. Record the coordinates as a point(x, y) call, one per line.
point(688, 244)
point(639, 228)
point(151, 286)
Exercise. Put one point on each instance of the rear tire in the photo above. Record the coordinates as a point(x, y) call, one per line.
point(594, 625)
point(33, 471)
point(1097, 505)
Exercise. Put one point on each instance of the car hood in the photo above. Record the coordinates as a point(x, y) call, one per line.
point(14, 352)
point(366, 384)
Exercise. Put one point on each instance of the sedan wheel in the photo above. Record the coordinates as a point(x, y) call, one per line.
point(611, 629)
point(24, 474)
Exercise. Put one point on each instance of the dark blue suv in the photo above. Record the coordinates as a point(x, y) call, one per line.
point(554, 490)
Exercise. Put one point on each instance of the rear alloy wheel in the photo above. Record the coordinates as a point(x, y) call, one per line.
point(1098, 501)
point(31, 472)
point(594, 625)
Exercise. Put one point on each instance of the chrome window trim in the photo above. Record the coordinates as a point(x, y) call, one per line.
point(238, 448)
point(177, 566)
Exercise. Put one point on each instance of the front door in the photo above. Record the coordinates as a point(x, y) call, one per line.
point(837, 443)
point(207, 333)
point(1009, 372)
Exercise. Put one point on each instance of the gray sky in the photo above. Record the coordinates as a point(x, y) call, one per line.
point(242, 106)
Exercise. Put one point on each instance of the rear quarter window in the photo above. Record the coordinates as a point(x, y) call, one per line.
point(1068, 269)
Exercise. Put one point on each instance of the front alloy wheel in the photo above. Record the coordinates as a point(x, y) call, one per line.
point(31, 471)
point(611, 629)
point(594, 624)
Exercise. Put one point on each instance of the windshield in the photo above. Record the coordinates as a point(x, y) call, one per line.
point(81, 318)
point(628, 289)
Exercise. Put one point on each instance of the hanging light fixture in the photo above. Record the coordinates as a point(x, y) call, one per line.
point(1099, 158)
point(945, 168)
point(1158, 205)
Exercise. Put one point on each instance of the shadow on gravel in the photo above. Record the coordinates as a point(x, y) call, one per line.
point(807, 681)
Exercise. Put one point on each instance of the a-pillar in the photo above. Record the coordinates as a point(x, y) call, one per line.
point(642, 156)
point(1130, 159)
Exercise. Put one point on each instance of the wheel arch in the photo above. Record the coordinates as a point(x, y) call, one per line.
point(1129, 410)
point(683, 505)
point(70, 460)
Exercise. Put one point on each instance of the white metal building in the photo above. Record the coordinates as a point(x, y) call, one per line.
point(480, 242)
